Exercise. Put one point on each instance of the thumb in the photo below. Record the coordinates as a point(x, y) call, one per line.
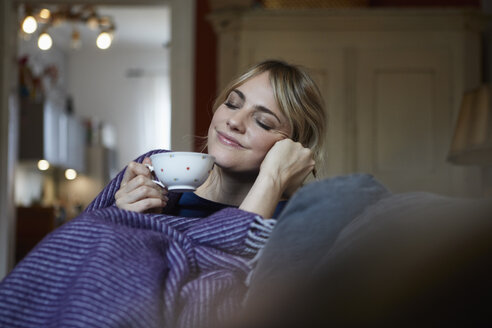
point(147, 161)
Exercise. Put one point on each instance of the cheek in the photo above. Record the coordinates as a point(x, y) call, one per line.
point(215, 119)
point(264, 142)
point(262, 145)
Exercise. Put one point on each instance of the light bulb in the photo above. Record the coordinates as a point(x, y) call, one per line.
point(93, 22)
point(45, 14)
point(43, 165)
point(45, 42)
point(104, 40)
point(29, 25)
point(70, 174)
point(75, 43)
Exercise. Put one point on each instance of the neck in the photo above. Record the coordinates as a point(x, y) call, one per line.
point(225, 187)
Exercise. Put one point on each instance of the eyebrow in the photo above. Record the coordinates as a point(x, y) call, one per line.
point(258, 107)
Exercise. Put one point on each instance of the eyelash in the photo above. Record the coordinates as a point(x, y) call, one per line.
point(262, 125)
point(228, 104)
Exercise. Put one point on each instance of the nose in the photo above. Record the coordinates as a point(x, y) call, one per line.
point(237, 121)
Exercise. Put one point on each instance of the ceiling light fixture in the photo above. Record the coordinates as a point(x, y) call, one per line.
point(44, 14)
point(29, 24)
point(70, 174)
point(44, 41)
point(43, 165)
point(104, 40)
point(54, 16)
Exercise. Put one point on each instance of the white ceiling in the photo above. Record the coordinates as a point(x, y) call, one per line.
point(142, 27)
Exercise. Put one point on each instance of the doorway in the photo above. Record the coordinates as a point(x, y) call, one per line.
point(181, 97)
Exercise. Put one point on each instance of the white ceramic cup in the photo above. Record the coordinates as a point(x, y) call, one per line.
point(181, 171)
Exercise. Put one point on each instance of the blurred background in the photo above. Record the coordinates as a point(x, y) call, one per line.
point(87, 86)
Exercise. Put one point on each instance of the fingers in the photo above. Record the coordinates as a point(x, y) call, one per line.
point(138, 192)
point(139, 188)
point(290, 163)
point(142, 197)
point(296, 151)
point(133, 169)
point(138, 181)
point(143, 205)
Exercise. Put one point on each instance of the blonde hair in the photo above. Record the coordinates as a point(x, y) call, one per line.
point(298, 98)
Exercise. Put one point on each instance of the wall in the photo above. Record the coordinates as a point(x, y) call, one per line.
point(182, 73)
point(392, 80)
point(8, 135)
point(128, 89)
point(205, 72)
point(38, 60)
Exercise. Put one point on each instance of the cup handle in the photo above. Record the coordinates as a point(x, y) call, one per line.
point(157, 182)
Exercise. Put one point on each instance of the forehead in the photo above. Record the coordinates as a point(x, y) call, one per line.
point(258, 91)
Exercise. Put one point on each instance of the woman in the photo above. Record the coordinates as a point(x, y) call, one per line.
point(126, 266)
point(267, 128)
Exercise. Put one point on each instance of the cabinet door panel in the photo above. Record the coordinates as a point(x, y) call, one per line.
point(51, 134)
point(76, 144)
point(404, 118)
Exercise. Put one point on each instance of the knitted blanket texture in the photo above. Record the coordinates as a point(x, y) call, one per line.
point(114, 268)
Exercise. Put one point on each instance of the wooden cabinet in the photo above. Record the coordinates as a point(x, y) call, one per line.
point(33, 224)
point(392, 81)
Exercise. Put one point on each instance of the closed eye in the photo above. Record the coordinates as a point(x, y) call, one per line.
point(231, 105)
point(264, 120)
point(263, 125)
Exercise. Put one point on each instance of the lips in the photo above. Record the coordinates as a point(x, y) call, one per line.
point(228, 140)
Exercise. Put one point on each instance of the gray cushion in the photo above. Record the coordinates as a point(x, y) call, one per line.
point(400, 260)
point(414, 259)
point(309, 225)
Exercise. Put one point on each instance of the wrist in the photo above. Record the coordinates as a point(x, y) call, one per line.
point(269, 182)
point(263, 196)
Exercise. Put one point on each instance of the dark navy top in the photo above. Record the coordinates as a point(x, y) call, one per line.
point(193, 206)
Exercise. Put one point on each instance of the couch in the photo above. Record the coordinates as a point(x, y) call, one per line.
point(348, 252)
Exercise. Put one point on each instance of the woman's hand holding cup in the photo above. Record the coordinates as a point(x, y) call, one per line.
point(138, 192)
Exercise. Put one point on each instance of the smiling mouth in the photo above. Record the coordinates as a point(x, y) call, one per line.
point(228, 141)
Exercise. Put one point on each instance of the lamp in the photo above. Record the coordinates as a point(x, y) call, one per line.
point(75, 14)
point(472, 140)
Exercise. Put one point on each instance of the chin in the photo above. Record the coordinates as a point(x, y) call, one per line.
point(234, 163)
point(226, 161)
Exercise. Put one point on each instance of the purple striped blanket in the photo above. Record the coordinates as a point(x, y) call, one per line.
point(115, 268)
